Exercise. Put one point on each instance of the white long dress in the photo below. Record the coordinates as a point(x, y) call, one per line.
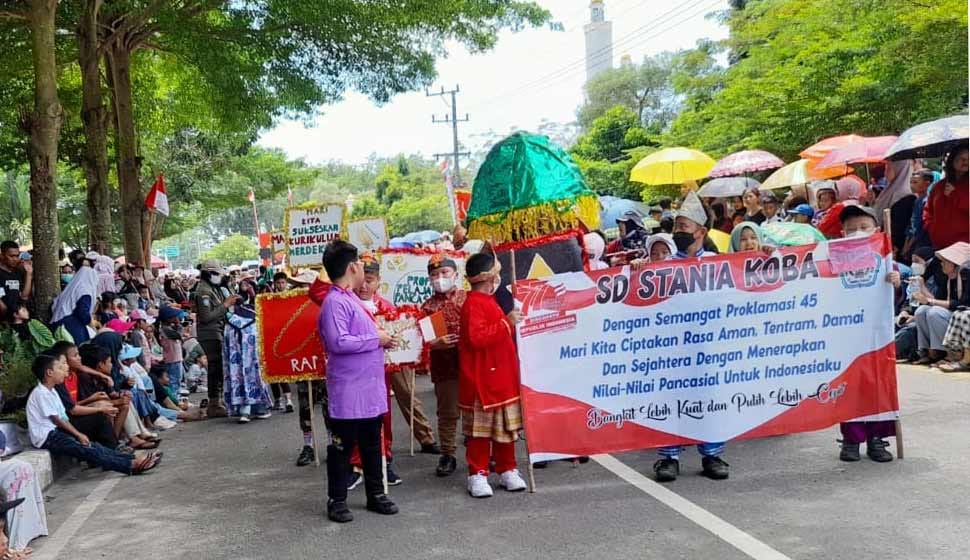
point(27, 521)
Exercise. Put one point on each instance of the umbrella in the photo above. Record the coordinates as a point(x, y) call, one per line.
point(721, 240)
point(864, 150)
point(157, 262)
point(789, 233)
point(747, 161)
point(798, 173)
point(931, 139)
point(822, 148)
point(723, 187)
point(672, 166)
point(613, 208)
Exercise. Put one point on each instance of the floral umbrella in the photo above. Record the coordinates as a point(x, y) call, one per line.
point(747, 161)
point(931, 139)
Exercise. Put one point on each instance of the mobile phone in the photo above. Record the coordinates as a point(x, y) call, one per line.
point(26, 256)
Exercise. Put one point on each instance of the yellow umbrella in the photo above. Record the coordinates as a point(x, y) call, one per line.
point(799, 173)
point(721, 239)
point(672, 166)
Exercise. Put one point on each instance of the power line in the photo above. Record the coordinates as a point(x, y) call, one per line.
point(453, 120)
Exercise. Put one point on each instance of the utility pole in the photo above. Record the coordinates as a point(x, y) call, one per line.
point(453, 120)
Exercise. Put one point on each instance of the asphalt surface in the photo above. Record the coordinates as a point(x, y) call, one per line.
point(226, 491)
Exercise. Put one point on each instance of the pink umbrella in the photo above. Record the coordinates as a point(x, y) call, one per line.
point(862, 150)
point(747, 161)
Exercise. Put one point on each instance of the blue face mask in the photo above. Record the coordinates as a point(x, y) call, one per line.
point(66, 278)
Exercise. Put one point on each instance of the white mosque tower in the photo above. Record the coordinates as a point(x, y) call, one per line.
point(599, 41)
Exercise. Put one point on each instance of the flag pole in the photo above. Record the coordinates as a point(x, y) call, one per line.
point(531, 469)
point(255, 217)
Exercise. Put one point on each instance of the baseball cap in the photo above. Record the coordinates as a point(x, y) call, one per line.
point(129, 352)
point(141, 315)
point(212, 265)
point(119, 326)
point(852, 210)
point(168, 313)
point(804, 210)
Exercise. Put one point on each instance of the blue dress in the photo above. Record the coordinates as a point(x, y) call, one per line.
point(242, 384)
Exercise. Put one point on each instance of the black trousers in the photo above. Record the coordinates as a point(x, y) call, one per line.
point(279, 389)
point(213, 353)
point(366, 434)
point(303, 403)
point(98, 429)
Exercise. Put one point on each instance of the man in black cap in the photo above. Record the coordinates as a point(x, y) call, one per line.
point(448, 299)
point(632, 240)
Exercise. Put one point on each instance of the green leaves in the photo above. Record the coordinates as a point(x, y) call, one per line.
point(234, 250)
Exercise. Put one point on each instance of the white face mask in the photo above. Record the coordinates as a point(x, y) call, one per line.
point(861, 233)
point(443, 285)
point(918, 269)
point(215, 279)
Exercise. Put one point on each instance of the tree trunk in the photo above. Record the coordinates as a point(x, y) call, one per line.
point(44, 126)
point(95, 117)
point(126, 145)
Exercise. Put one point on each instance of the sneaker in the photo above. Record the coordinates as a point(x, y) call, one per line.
point(876, 450)
point(478, 485)
point(277, 405)
point(715, 468)
point(183, 392)
point(339, 512)
point(264, 415)
point(431, 448)
point(666, 470)
point(392, 478)
point(446, 465)
point(163, 423)
point(540, 464)
point(244, 419)
point(381, 504)
point(216, 411)
point(307, 456)
point(356, 479)
point(512, 481)
point(850, 452)
point(289, 407)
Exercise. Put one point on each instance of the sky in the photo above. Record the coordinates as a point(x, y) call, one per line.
point(530, 76)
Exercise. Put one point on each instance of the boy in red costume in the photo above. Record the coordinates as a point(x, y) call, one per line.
point(488, 383)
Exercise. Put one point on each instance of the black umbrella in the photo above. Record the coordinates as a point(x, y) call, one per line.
point(931, 139)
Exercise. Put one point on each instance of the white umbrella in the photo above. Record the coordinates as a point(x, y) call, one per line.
point(724, 187)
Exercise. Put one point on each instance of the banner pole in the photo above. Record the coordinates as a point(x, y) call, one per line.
point(530, 471)
point(887, 228)
point(411, 415)
point(313, 429)
point(383, 458)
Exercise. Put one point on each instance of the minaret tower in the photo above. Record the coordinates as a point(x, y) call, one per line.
point(599, 41)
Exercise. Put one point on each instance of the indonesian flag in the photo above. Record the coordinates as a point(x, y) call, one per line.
point(251, 197)
point(157, 199)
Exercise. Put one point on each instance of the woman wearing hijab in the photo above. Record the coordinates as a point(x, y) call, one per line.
point(898, 197)
point(746, 236)
point(245, 393)
point(72, 308)
point(595, 245)
point(935, 310)
point(105, 267)
point(948, 204)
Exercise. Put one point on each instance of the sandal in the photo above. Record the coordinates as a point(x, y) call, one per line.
point(954, 367)
point(144, 464)
point(143, 444)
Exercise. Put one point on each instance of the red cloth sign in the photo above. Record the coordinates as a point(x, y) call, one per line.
point(289, 343)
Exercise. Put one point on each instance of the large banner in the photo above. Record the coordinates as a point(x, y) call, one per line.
point(538, 258)
point(308, 230)
point(404, 275)
point(289, 343)
point(368, 235)
point(708, 349)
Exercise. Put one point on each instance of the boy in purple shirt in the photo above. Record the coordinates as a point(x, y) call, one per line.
point(355, 383)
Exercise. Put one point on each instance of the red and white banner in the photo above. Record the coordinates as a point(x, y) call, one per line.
point(707, 349)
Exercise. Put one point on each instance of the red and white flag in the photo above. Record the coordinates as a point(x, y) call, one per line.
point(157, 199)
point(251, 197)
point(289, 196)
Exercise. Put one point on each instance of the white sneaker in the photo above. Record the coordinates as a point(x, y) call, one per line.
point(264, 415)
point(243, 419)
point(183, 392)
point(512, 481)
point(163, 423)
point(478, 485)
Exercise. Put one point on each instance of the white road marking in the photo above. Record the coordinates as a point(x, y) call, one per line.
point(54, 544)
point(705, 519)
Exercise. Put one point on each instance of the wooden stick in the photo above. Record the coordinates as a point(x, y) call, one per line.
point(887, 228)
point(530, 471)
point(411, 371)
point(147, 242)
point(313, 431)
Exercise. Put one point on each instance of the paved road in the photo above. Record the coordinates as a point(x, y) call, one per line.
point(232, 492)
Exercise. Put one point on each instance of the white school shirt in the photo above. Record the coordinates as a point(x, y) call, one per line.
point(41, 405)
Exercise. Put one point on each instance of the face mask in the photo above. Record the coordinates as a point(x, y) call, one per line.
point(860, 233)
point(215, 279)
point(918, 269)
point(66, 278)
point(683, 240)
point(443, 285)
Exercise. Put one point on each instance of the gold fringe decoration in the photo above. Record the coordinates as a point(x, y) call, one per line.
point(536, 221)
